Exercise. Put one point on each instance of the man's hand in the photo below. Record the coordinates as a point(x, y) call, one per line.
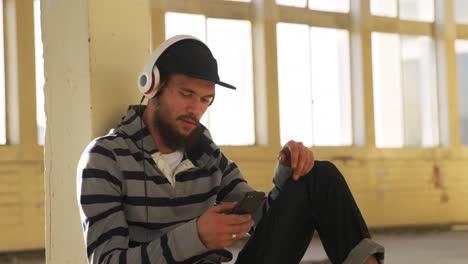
point(218, 230)
point(298, 157)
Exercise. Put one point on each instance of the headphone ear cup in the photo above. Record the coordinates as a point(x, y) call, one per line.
point(153, 90)
point(156, 78)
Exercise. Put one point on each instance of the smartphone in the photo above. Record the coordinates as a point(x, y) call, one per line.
point(249, 204)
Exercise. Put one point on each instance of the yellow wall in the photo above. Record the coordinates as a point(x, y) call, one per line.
point(93, 52)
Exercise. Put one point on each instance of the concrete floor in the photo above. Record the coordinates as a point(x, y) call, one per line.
point(435, 247)
point(427, 247)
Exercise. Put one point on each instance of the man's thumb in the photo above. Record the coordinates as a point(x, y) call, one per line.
point(284, 157)
point(281, 156)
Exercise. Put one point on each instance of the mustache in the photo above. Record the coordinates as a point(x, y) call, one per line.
point(188, 117)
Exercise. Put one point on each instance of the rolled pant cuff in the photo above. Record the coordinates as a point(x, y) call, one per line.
point(364, 249)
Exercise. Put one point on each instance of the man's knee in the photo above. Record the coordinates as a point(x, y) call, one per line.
point(325, 170)
point(326, 165)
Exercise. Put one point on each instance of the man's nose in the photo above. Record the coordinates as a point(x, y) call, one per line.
point(196, 106)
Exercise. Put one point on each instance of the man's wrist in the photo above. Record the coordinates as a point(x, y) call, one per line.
point(282, 174)
point(197, 225)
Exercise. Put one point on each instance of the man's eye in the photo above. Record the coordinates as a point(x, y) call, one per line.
point(207, 100)
point(186, 94)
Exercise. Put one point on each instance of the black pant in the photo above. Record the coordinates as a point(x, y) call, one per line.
point(320, 200)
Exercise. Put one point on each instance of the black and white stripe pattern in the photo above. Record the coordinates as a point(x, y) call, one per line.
point(111, 196)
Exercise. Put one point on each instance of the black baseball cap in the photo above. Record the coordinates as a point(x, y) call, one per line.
point(192, 58)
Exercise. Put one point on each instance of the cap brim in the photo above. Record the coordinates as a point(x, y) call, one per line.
point(208, 79)
point(226, 85)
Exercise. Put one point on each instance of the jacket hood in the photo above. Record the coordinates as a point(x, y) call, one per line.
point(199, 146)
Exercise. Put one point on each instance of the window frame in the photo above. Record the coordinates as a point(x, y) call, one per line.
point(20, 84)
point(212, 9)
point(22, 157)
point(265, 14)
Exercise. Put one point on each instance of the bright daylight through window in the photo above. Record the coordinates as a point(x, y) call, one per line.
point(461, 49)
point(2, 83)
point(420, 10)
point(232, 112)
point(461, 11)
point(321, 5)
point(40, 111)
point(314, 85)
point(405, 95)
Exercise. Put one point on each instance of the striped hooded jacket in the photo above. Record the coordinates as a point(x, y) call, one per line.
point(129, 218)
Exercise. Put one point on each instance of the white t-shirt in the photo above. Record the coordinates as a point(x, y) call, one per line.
point(171, 163)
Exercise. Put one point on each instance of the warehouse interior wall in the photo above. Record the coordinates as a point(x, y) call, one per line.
point(93, 52)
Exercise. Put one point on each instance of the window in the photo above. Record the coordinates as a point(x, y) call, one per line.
point(405, 95)
point(231, 117)
point(40, 111)
point(387, 90)
point(422, 10)
point(330, 5)
point(384, 8)
point(295, 3)
point(370, 82)
point(461, 11)
point(461, 48)
point(322, 5)
point(2, 82)
point(314, 85)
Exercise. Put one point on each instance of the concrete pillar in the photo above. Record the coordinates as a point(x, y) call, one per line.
point(93, 52)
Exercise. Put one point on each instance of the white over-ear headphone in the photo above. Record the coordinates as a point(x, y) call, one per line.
point(148, 80)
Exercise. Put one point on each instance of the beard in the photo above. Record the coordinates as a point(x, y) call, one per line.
point(168, 132)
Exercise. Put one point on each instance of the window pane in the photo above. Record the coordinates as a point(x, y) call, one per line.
point(314, 63)
point(296, 3)
point(461, 47)
point(330, 5)
point(405, 92)
point(2, 83)
point(461, 11)
point(384, 8)
point(388, 105)
point(40, 111)
point(187, 24)
point(231, 117)
point(234, 55)
point(293, 80)
point(330, 83)
point(420, 104)
point(417, 10)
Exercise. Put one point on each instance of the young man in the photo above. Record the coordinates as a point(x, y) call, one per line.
point(147, 190)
